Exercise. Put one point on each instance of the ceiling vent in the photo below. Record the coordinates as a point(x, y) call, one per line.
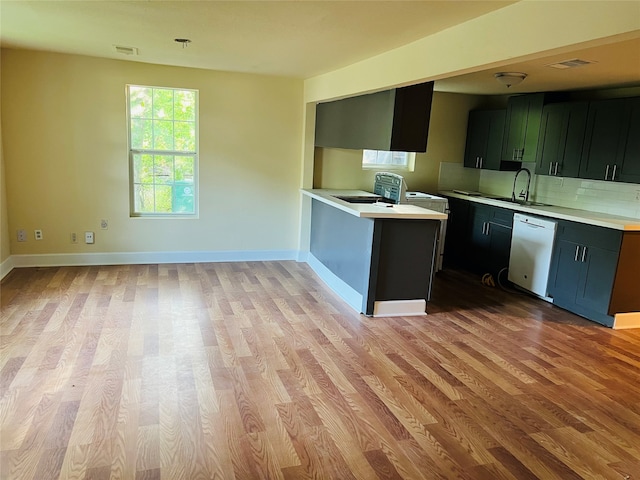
point(126, 50)
point(574, 62)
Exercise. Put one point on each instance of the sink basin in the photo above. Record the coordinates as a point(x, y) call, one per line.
point(360, 198)
point(528, 203)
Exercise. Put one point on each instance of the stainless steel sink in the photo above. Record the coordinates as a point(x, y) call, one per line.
point(527, 203)
point(360, 198)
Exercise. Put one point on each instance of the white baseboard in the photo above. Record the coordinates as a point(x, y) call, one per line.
point(339, 286)
point(400, 308)
point(6, 267)
point(624, 321)
point(137, 258)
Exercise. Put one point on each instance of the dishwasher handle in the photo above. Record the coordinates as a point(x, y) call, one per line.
point(532, 225)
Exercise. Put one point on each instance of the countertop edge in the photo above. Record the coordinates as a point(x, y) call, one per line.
point(558, 213)
point(401, 211)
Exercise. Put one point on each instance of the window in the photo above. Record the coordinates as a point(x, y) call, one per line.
point(378, 159)
point(163, 150)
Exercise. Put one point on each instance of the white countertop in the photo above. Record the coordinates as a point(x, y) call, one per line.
point(368, 210)
point(561, 213)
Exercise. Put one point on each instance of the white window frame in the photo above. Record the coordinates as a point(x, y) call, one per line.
point(133, 152)
point(383, 160)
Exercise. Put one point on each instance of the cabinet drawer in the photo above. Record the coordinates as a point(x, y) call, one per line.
point(501, 216)
point(581, 234)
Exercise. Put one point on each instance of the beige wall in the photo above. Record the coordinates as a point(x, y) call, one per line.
point(523, 30)
point(5, 248)
point(65, 152)
point(338, 168)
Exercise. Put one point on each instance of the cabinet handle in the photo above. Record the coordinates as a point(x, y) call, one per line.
point(477, 162)
point(484, 227)
point(575, 257)
point(550, 166)
point(481, 160)
point(606, 173)
point(488, 227)
point(555, 172)
point(613, 175)
point(584, 254)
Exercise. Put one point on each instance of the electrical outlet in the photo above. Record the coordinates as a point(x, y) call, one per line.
point(638, 195)
point(104, 224)
point(38, 234)
point(88, 237)
point(22, 235)
point(74, 237)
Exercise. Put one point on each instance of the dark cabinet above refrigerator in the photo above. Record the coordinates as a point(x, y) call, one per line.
point(393, 120)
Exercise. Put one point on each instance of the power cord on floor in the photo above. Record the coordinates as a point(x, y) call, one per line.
point(489, 281)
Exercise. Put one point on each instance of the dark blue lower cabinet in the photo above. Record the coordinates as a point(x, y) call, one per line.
point(382, 259)
point(490, 230)
point(583, 270)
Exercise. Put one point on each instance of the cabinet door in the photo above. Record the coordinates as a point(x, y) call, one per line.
point(605, 137)
point(490, 238)
point(532, 126)
point(583, 269)
point(477, 137)
point(630, 169)
point(494, 141)
point(565, 273)
point(499, 247)
point(522, 127)
point(479, 241)
point(576, 124)
point(515, 125)
point(484, 139)
point(456, 244)
point(596, 282)
point(552, 133)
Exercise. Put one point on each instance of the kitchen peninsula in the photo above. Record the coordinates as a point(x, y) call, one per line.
point(378, 257)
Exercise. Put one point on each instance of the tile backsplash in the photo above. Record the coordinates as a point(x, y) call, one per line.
point(614, 198)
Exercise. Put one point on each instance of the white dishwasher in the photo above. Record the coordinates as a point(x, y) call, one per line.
point(531, 250)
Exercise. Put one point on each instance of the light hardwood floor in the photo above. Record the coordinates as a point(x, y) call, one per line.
point(257, 371)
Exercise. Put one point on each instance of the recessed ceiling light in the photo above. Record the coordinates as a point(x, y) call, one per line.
point(574, 62)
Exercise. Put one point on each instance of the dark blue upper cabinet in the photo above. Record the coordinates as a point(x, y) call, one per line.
point(393, 120)
point(612, 141)
point(630, 169)
point(485, 132)
point(522, 127)
point(561, 138)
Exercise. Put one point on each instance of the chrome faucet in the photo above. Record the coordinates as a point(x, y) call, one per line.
point(524, 194)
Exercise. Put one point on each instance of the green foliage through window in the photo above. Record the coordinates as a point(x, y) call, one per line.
point(163, 149)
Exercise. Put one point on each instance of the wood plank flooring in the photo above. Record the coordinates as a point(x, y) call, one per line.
point(257, 371)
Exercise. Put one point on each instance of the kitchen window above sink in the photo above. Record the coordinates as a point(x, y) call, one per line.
point(379, 159)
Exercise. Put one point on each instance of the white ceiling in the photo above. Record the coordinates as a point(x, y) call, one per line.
point(291, 38)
